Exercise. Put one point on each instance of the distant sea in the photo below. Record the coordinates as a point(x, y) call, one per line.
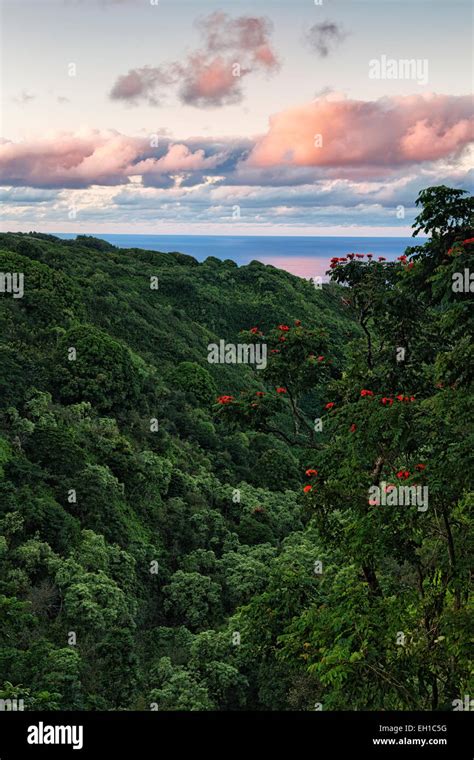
point(303, 256)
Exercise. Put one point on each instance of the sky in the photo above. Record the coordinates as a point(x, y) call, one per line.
point(269, 117)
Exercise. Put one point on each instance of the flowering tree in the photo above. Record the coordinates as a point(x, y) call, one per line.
point(298, 362)
point(391, 608)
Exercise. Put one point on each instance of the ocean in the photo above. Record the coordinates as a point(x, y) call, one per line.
point(303, 256)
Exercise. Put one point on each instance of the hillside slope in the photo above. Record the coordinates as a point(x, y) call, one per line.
point(126, 549)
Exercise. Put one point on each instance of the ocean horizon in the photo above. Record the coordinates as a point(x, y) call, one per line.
point(303, 256)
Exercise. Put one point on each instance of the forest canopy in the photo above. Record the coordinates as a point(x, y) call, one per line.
point(183, 535)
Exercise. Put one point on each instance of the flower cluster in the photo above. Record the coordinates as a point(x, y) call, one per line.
point(388, 400)
point(403, 260)
point(310, 473)
point(405, 474)
point(463, 242)
point(337, 260)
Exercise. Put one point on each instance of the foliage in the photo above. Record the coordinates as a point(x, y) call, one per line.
point(179, 535)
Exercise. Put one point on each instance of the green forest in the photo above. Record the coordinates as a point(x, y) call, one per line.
point(180, 535)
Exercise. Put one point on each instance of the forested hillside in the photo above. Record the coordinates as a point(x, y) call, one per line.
point(183, 535)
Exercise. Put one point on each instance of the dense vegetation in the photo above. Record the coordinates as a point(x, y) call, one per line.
point(179, 535)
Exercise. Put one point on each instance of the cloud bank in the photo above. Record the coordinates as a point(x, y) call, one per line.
point(369, 138)
point(387, 132)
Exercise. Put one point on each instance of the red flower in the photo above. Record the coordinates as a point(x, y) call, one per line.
point(259, 393)
point(366, 393)
point(309, 473)
point(403, 474)
point(412, 398)
point(282, 338)
point(307, 489)
point(330, 405)
point(450, 250)
point(387, 400)
point(274, 350)
point(320, 358)
point(360, 255)
point(469, 240)
point(400, 397)
point(370, 255)
point(420, 467)
point(350, 256)
point(254, 330)
point(297, 322)
point(283, 328)
point(281, 390)
point(225, 399)
point(353, 427)
point(402, 258)
point(382, 258)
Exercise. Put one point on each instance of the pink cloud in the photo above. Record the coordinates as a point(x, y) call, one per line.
point(211, 76)
point(142, 83)
point(386, 132)
point(100, 158)
point(209, 82)
point(179, 158)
